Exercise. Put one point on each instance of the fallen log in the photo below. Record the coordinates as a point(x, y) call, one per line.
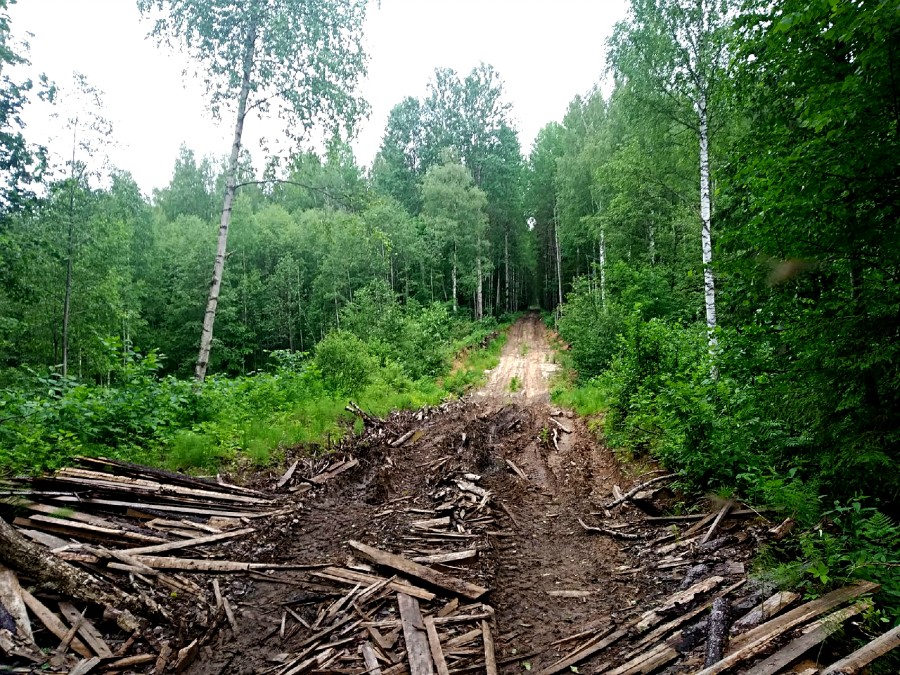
point(717, 638)
point(29, 558)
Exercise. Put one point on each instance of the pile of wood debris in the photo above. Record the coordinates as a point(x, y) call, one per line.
point(123, 568)
point(124, 563)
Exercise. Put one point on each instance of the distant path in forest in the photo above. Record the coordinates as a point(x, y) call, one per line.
point(527, 357)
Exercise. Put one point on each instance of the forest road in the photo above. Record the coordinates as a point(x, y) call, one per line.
point(526, 365)
point(544, 470)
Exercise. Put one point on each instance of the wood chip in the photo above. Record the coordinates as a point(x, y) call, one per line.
point(11, 600)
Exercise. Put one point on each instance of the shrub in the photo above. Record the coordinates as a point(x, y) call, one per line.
point(345, 362)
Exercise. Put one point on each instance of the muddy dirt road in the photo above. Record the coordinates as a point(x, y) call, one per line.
point(526, 365)
point(536, 564)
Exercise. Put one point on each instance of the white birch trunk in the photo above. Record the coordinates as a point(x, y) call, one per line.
point(709, 284)
point(479, 290)
point(603, 267)
point(215, 286)
point(453, 278)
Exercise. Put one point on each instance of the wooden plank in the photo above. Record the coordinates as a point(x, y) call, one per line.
point(718, 521)
point(86, 630)
point(814, 634)
point(751, 643)
point(200, 565)
point(655, 616)
point(287, 475)
point(11, 599)
point(434, 643)
point(418, 652)
point(656, 658)
point(53, 623)
point(865, 655)
point(456, 556)
point(351, 578)
point(185, 543)
point(368, 654)
point(172, 508)
point(490, 656)
point(581, 654)
point(433, 577)
point(765, 610)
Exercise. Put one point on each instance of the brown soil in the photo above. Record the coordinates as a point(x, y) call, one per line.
point(544, 550)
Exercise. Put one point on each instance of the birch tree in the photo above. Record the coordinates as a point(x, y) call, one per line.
point(299, 60)
point(674, 51)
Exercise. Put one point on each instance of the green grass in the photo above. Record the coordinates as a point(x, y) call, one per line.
point(515, 384)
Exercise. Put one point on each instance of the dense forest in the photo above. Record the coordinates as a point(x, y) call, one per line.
point(716, 238)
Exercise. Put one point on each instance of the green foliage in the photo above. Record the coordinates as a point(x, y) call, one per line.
point(851, 541)
point(345, 362)
point(515, 384)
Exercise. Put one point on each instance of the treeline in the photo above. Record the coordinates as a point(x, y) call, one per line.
point(85, 264)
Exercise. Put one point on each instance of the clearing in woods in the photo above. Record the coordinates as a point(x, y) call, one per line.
point(542, 553)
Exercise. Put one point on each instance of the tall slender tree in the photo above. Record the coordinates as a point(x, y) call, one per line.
point(674, 51)
point(301, 59)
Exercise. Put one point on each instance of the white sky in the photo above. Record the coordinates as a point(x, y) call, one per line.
point(546, 51)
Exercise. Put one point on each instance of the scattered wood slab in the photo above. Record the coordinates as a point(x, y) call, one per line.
point(11, 600)
point(287, 475)
point(53, 623)
point(418, 651)
point(753, 642)
point(434, 643)
point(490, 657)
point(770, 607)
point(426, 574)
point(516, 470)
point(862, 657)
point(585, 651)
point(813, 635)
point(637, 488)
point(718, 521)
point(86, 630)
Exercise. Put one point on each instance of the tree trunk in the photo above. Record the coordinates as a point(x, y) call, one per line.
point(453, 278)
point(506, 265)
point(215, 286)
point(33, 560)
point(603, 268)
point(67, 300)
point(709, 284)
point(558, 269)
point(479, 287)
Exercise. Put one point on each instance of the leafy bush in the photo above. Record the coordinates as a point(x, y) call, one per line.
point(345, 362)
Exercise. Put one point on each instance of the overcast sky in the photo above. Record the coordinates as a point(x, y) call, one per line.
point(546, 52)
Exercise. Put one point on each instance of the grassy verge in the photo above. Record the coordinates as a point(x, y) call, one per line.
point(239, 422)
